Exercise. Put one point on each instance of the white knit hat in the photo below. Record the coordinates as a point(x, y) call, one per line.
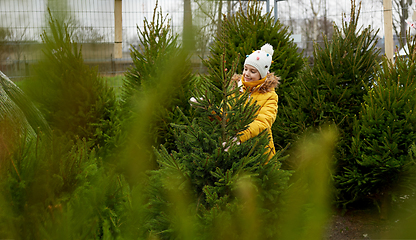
point(261, 59)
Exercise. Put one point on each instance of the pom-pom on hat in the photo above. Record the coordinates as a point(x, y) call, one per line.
point(261, 59)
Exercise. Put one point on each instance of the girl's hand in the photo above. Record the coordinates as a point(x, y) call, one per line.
point(234, 140)
point(193, 100)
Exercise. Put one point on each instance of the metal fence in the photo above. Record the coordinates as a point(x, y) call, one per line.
point(93, 22)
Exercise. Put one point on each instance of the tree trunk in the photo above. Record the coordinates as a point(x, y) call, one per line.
point(404, 16)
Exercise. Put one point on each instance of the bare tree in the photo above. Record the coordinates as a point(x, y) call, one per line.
point(5, 36)
point(83, 34)
point(403, 10)
point(315, 8)
point(80, 33)
point(314, 25)
point(14, 45)
point(20, 44)
point(206, 22)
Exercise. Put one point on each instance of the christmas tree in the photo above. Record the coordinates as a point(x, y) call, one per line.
point(381, 165)
point(53, 184)
point(71, 95)
point(332, 90)
point(157, 49)
point(203, 179)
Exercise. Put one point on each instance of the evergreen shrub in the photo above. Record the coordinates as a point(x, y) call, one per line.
point(332, 90)
point(247, 30)
point(202, 186)
point(71, 95)
point(381, 165)
point(158, 49)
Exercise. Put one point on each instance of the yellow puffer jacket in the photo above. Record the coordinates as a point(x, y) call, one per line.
point(266, 97)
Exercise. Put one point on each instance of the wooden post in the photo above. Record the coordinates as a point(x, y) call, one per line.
point(118, 29)
point(187, 24)
point(388, 29)
point(414, 16)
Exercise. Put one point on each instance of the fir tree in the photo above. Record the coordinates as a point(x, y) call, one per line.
point(53, 183)
point(198, 185)
point(381, 164)
point(332, 90)
point(72, 97)
point(157, 47)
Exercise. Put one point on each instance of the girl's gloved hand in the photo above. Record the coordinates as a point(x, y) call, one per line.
point(193, 100)
point(233, 140)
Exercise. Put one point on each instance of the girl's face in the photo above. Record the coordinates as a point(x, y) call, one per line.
point(250, 73)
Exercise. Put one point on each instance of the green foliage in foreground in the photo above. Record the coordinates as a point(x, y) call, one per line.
point(36, 182)
point(59, 187)
point(56, 188)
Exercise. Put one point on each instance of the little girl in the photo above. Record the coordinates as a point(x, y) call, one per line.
point(257, 79)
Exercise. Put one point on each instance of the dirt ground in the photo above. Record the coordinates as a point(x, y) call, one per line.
point(364, 222)
point(358, 224)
